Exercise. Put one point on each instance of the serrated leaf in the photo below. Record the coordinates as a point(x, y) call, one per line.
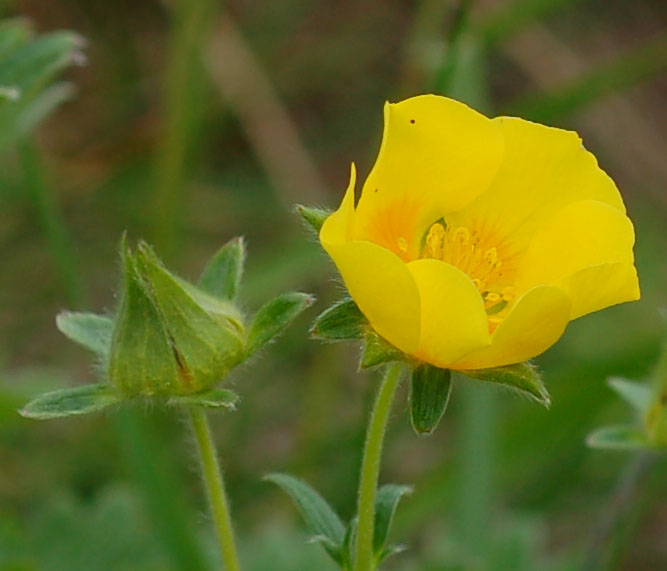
point(71, 402)
point(314, 217)
point(430, 388)
point(638, 395)
point(320, 518)
point(90, 330)
point(213, 398)
point(274, 317)
point(222, 275)
point(618, 438)
point(340, 322)
point(522, 377)
point(376, 351)
point(386, 502)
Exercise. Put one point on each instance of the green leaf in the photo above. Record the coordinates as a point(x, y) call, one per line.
point(26, 67)
point(430, 388)
point(377, 351)
point(389, 551)
point(320, 518)
point(638, 395)
point(618, 438)
point(90, 330)
point(222, 275)
point(522, 377)
point(71, 402)
point(386, 502)
point(349, 543)
point(340, 322)
point(314, 217)
point(213, 398)
point(274, 317)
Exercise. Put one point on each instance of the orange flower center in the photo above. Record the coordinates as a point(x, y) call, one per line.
point(484, 257)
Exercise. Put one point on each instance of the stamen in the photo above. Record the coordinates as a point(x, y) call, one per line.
point(508, 293)
point(491, 256)
point(402, 244)
point(434, 241)
point(462, 236)
point(491, 299)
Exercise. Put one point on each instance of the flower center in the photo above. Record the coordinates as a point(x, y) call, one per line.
point(477, 254)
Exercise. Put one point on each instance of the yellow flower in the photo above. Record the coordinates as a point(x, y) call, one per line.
point(475, 241)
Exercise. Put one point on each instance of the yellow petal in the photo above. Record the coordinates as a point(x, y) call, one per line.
point(543, 170)
point(338, 227)
point(436, 156)
point(536, 322)
point(381, 285)
point(585, 233)
point(453, 321)
point(597, 287)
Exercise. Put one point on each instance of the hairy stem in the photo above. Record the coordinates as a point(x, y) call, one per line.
point(215, 488)
point(370, 468)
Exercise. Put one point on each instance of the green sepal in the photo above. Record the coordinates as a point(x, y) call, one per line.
point(141, 359)
point(521, 377)
point(624, 437)
point(89, 330)
point(637, 395)
point(314, 217)
point(222, 275)
point(322, 521)
point(212, 398)
point(376, 351)
point(274, 317)
point(430, 388)
point(205, 333)
point(342, 321)
point(386, 501)
point(71, 402)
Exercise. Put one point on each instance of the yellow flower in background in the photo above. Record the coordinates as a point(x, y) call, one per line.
point(475, 241)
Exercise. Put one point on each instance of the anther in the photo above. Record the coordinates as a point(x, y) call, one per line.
point(402, 244)
point(462, 236)
point(508, 293)
point(491, 256)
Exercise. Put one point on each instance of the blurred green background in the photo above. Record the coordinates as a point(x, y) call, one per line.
point(192, 121)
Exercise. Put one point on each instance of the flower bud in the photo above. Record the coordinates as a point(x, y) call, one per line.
point(169, 337)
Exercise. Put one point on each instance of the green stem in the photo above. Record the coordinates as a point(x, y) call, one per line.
point(370, 468)
point(215, 488)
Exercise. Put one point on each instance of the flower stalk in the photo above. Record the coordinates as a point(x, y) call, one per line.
point(370, 467)
point(215, 488)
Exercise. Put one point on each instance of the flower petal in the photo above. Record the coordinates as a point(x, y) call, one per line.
point(381, 285)
point(436, 156)
point(453, 321)
point(338, 226)
point(584, 233)
point(536, 322)
point(543, 170)
point(597, 287)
